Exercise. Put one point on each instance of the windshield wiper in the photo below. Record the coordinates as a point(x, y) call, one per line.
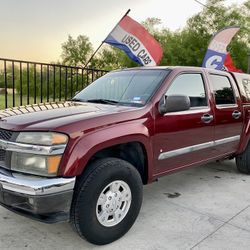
point(77, 100)
point(104, 101)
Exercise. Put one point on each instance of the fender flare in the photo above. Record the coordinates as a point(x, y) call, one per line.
point(89, 144)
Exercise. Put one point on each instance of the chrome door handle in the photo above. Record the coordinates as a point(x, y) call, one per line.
point(207, 118)
point(236, 114)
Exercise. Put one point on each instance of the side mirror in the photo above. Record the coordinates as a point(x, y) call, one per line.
point(174, 103)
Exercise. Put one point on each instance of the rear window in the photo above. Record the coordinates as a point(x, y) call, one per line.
point(243, 81)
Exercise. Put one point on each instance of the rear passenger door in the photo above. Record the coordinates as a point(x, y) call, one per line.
point(228, 113)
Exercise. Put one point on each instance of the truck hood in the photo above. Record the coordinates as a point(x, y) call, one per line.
point(53, 115)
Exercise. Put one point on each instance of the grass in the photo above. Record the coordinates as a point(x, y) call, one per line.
point(17, 100)
point(10, 101)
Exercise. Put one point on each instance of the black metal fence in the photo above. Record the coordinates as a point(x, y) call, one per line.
point(25, 82)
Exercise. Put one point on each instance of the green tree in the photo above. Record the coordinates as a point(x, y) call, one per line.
point(110, 58)
point(9, 77)
point(151, 25)
point(65, 81)
point(76, 52)
point(188, 46)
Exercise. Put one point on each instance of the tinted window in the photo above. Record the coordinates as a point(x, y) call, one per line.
point(132, 87)
point(222, 90)
point(190, 85)
point(244, 85)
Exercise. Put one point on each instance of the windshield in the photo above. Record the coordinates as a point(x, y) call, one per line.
point(129, 87)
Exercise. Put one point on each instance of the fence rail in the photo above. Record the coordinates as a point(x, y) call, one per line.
point(26, 82)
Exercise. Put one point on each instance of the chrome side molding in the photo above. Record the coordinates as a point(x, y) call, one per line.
point(186, 150)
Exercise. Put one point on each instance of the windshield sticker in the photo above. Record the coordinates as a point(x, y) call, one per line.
point(137, 98)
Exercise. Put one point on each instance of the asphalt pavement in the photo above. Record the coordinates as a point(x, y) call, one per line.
point(206, 207)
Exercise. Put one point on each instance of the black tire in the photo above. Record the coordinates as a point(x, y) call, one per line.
point(243, 161)
point(99, 175)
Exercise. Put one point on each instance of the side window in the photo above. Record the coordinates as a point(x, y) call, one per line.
point(190, 85)
point(222, 90)
point(246, 84)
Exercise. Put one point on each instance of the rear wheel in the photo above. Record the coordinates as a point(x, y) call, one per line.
point(243, 161)
point(107, 200)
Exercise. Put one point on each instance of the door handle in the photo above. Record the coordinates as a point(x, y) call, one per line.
point(236, 114)
point(207, 118)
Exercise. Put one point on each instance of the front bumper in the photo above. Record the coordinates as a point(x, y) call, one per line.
point(45, 199)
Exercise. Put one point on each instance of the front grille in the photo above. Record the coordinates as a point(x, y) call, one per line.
point(2, 155)
point(5, 134)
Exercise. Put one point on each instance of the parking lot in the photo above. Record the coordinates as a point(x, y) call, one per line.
point(200, 208)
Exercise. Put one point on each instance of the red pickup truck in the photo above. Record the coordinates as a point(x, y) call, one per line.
point(86, 160)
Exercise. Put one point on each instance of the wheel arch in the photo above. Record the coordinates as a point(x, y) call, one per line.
point(133, 152)
point(130, 146)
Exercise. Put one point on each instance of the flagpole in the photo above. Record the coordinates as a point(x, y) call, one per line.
point(248, 64)
point(103, 41)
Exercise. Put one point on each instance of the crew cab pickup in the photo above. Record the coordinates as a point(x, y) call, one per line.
point(86, 160)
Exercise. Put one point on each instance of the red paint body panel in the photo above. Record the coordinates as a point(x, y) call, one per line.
point(93, 127)
point(179, 130)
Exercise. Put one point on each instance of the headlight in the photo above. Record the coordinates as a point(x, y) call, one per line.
point(35, 164)
point(38, 153)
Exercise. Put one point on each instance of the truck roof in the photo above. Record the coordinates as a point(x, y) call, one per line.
point(188, 68)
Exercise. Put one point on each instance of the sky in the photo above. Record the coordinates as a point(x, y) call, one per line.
point(35, 29)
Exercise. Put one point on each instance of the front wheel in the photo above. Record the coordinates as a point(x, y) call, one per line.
point(107, 200)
